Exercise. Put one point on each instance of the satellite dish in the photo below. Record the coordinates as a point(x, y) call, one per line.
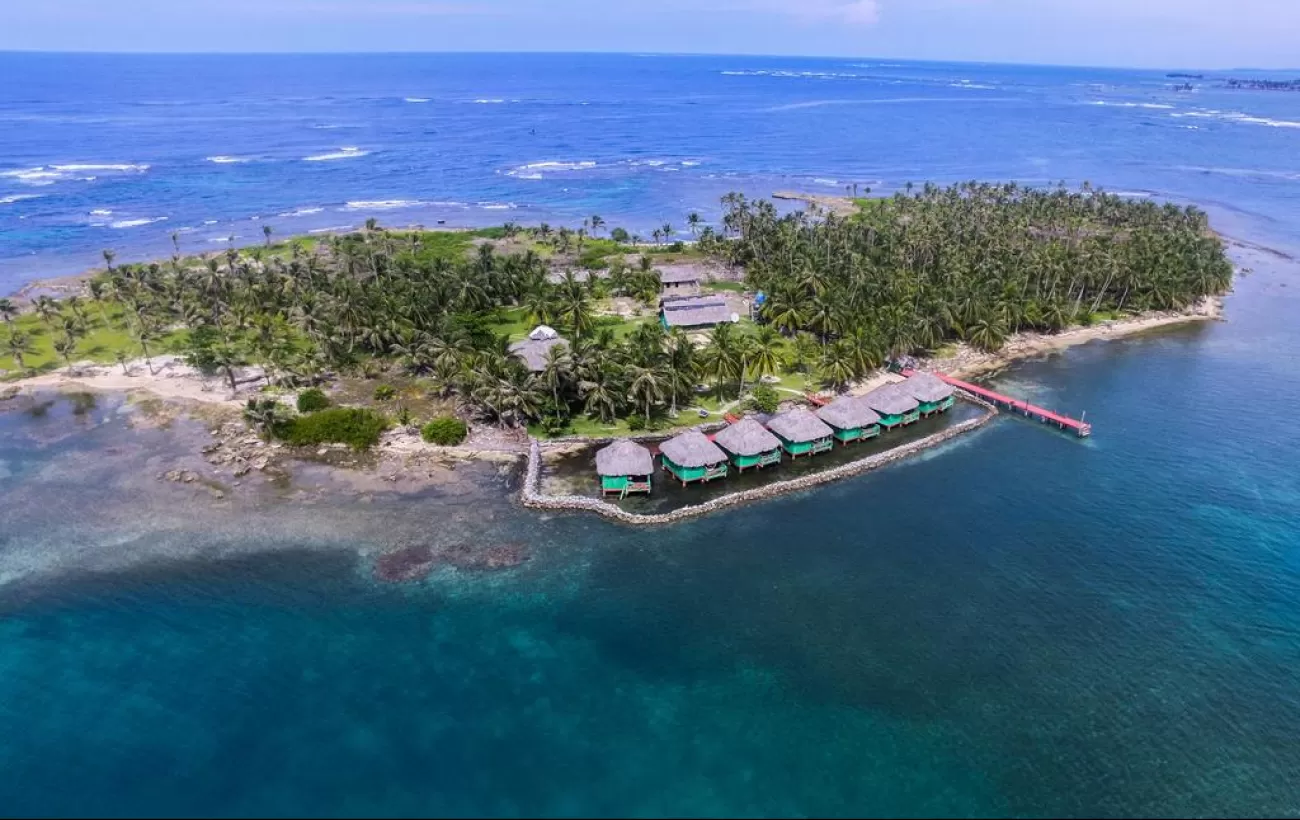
point(735, 317)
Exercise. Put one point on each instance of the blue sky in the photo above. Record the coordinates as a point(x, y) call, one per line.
point(1154, 33)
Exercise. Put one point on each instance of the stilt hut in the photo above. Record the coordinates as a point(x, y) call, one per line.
point(895, 406)
point(625, 467)
point(802, 433)
point(851, 419)
point(691, 457)
point(934, 394)
point(749, 444)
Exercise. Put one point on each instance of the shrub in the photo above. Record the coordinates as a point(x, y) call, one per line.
point(309, 401)
point(384, 392)
point(620, 236)
point(636, 422)
point(764, 398)
point(356, 427)
point(446, 430)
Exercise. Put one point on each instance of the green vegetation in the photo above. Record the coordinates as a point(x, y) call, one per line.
point(971, 263)
point(435, 312)
point(447, 431)
point(311, 400)
point(59, 332)
point(357, 427)
point(764, 398)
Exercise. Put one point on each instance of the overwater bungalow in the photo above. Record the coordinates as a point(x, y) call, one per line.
point(625, 467)
point(802, 433)
point(934, 394)
point(894, 405)
point(749, 444)
point(691, 457)
point(851, 419)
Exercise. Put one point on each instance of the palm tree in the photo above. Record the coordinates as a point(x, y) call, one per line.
point(646, 387)
point(122, 360)
point(19, 344)
point(144, 334)
point(65, 346)
point(693, 222)
point(558, 372)
point(681, 368)
point(837, 365)
point(263, 415)
point(8, 310)
point(267, 230)
point(596, 224)
point(766, 356)
point(109, 256)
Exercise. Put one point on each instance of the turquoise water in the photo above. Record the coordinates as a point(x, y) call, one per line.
point(1019, 623)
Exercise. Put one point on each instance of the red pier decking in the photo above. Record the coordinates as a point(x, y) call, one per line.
point(1080, 428)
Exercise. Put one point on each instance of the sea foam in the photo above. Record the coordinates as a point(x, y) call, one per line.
point(346, 152)
point(9, 200)
point(136, 223)
point(382, 204)
point(224, 160)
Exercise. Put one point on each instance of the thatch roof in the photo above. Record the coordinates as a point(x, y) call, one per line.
point(799, 425)
point(747, 438)
point(533, 351)
point(848, 413)
point(700, 317)
point(692, 449)
point(927, 387)
point(679, 275)
point(624, 458)
point(890, 400)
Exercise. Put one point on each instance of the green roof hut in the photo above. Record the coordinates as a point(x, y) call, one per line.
point(895, 406)
point(851, 419)
point(691, 457)
point(749, 444)
point(625, 467)
point(934, 394)
point(802, 433)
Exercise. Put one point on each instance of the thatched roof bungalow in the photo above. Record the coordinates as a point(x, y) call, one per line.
point(533, 351)
point(801, 432)
point(851, 419)
point(894, 404)
point(693, 313)
point(679, 278)
point(692, 457)
point(933, 393)
point(749, 444)
point(625, 467)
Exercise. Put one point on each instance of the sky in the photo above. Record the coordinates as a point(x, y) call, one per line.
point(1211, 34)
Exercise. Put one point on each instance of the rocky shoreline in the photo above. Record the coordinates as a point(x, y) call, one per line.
point(531, 496)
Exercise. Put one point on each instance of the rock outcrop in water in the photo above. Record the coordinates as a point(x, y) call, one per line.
point(414, 563)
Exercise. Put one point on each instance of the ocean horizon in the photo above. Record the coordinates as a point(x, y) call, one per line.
point(1018, 623)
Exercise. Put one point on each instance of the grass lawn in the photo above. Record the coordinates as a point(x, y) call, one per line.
point(101, 345)
point(725, 287)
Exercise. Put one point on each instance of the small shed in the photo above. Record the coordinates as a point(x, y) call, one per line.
point(679, 278)
point(895, 406)
point(625, 467)
point(802, 433)
point(691, 457)
point(851, 419)
point(533, 351)
point(749, 444)
point(933, 393)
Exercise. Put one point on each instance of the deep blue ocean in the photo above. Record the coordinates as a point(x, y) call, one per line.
point(1019, 623)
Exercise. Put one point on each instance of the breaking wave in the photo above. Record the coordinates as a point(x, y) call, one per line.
point(136, 223)
point(346, 152)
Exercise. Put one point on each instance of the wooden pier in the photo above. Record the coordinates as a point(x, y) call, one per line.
point(1077, 426)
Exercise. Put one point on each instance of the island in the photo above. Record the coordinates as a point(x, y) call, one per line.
point(502, 340)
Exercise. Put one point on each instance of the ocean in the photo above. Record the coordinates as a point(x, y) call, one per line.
point(1019, 623)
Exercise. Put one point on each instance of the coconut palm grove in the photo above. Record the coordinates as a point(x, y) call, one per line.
point(840, 294)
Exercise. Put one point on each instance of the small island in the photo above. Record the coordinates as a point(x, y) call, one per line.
point(492, 339)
